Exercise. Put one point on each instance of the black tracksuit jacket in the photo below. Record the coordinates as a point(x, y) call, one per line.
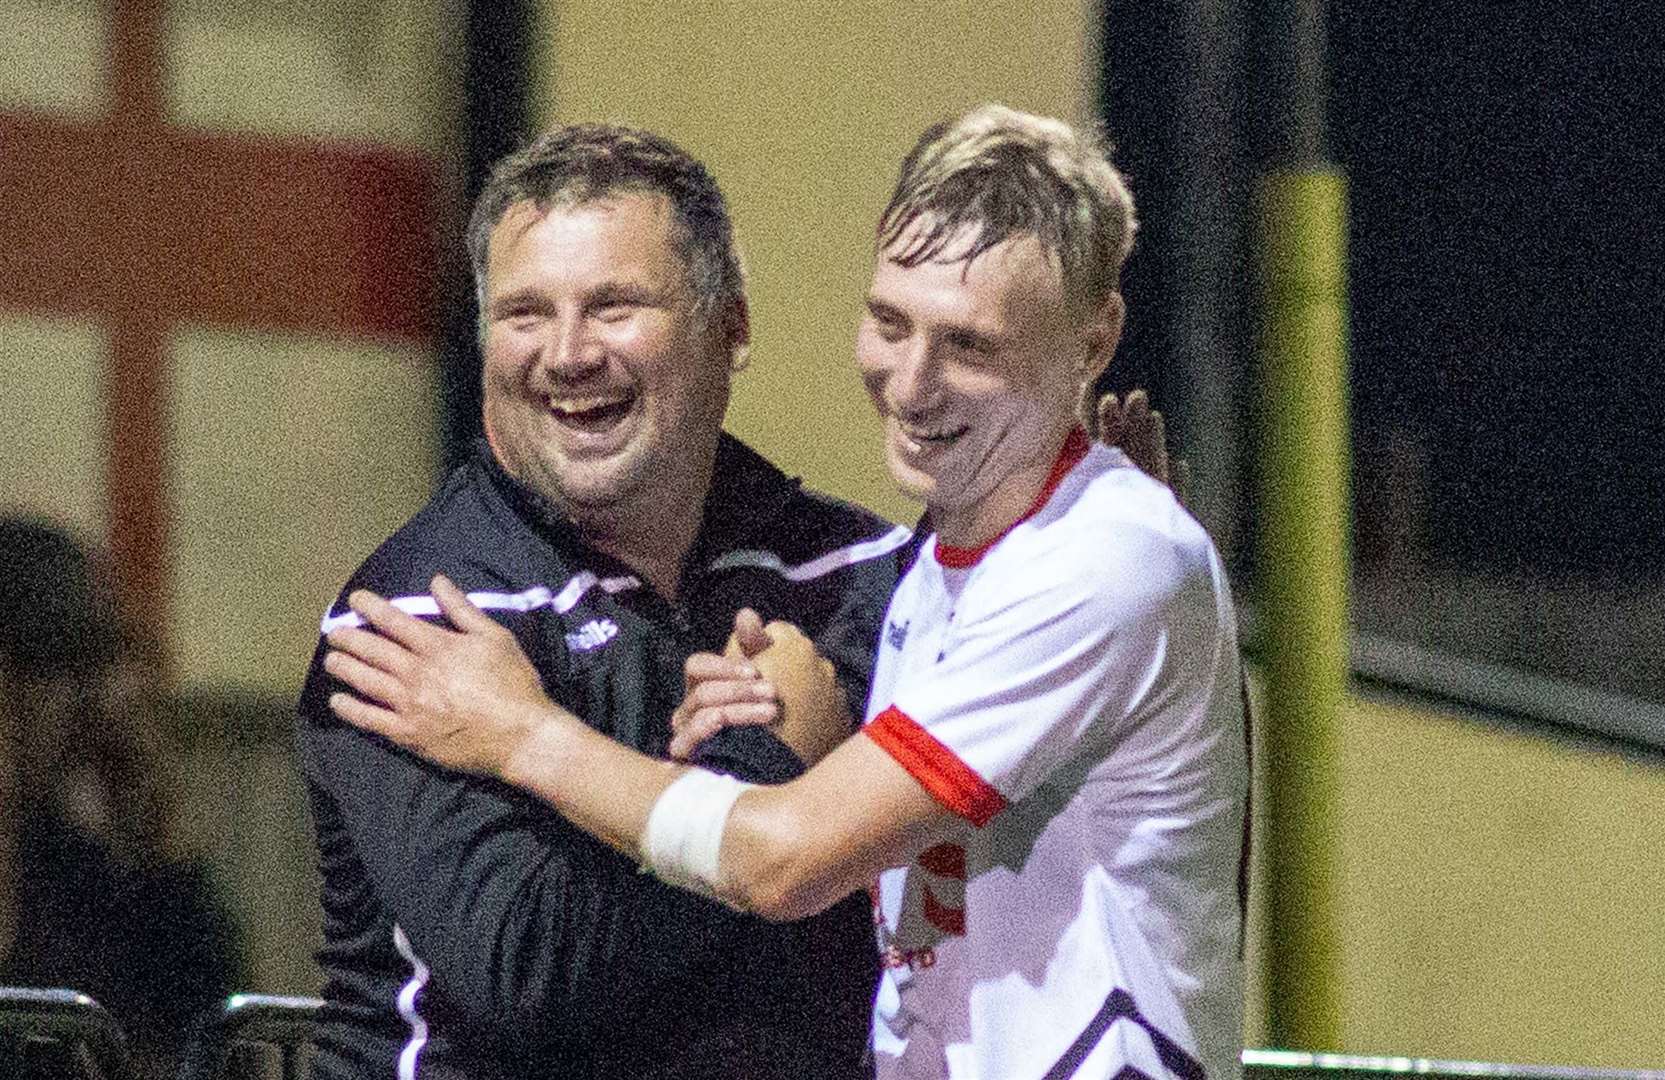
point(469, 931)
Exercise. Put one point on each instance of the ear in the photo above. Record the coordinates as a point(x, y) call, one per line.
point(736, 329)
point(1103, 333)
point(737, 324)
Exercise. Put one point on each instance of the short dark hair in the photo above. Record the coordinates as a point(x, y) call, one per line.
point(580, 163)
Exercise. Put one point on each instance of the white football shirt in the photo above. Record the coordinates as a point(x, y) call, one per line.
point(1072, 692)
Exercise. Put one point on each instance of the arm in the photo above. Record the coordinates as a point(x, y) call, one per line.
point(470, 700)
point(527, 924)
point(1100, 631)
point(788, 850)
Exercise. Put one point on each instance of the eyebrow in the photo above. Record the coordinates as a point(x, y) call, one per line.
point(974, 338)
point(613, 292)
point(514, 298)
point(883, 310)
point(608, 292)
point(960, 333)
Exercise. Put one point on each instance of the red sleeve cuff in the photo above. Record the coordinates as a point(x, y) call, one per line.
point(939, 771)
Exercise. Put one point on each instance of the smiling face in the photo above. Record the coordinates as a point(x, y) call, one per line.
point(604, 385)
point(976, 369)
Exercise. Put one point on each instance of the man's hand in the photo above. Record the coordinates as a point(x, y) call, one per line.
point(467, 698)
point(1138, 431)
point(767, 675)
point(724, 691)
point(814, 717)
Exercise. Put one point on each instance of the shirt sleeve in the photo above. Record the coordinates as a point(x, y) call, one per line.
point(1059, 656)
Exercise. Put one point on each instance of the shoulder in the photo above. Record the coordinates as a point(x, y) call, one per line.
point(1115, 536)
point(464, 530)
point(817, 525)
point(836, 518)
point(765, 517)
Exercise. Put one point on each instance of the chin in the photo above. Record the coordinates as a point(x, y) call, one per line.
point(575, 484)
point(598, 492)
point(910, 482)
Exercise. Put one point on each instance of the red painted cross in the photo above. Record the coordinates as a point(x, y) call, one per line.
point(140, 226)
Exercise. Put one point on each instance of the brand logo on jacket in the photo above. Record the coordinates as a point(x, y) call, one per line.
point(592, 635)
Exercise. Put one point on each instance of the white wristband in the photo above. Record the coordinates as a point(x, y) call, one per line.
point(683, 840)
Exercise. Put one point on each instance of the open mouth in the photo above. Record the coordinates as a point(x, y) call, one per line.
point(593, 414)
point(920, 438)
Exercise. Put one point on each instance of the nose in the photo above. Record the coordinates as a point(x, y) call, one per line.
point(570, 352)
point(910, 388)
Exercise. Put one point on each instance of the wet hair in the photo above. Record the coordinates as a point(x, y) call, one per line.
point(1007, 173)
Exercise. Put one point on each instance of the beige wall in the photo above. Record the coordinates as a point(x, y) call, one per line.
point(52, 420)
point(1502, 895)
point(803, 111)
point(52, 56)
point(375, 70)
point(291, 458)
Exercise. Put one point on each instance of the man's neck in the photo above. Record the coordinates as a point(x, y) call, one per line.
point(991, 516)
point(1012, 500)
point(655, 546)
point(653, 532)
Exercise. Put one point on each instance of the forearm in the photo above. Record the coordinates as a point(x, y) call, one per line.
point(601, 786)
point(795, 849)
point(772, 865)
point(788, 851)
point(768, 863)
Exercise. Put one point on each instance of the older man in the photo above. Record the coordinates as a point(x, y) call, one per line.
point(612, 527)
point(1052, 780)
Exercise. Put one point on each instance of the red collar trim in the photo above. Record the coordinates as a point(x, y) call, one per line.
point(1075, 448)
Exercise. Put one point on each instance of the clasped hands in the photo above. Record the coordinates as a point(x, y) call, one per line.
point(468, 698)
point(770, 675)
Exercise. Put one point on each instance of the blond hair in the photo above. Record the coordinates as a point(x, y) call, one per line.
point(1007, 173)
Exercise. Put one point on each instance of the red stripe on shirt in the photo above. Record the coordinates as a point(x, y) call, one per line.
point(939, 771)
point(948, 919)
point(944, 860)
point(1074, 449)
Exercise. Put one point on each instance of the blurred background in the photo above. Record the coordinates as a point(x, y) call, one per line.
point(236, 350)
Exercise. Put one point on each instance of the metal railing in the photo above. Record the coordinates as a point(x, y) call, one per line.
point(48, 1032)
point(1296, 1065)
point(253, 1035)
